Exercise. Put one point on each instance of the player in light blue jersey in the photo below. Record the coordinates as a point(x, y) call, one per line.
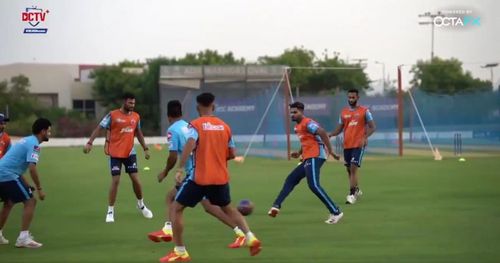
point(177, 137)
point(13, 186)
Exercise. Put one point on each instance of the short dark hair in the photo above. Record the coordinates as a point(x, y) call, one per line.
point(128, 95)
point(174, 109)
point(205, 99)
point(299, 105)
point(353, 91)
point(39, 125)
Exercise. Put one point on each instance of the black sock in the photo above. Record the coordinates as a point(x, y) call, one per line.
point(352, 191)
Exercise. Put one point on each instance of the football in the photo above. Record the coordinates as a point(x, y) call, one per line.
point(245, 207)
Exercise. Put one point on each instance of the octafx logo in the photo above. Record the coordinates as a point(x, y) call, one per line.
point(35, 18)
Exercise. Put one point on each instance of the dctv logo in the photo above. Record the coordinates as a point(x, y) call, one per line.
point(35, 16)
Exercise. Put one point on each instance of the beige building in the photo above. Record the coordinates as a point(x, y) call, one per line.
point(58, 85)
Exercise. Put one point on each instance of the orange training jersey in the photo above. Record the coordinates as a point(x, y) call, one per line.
point(122, 129)
point(4, 143)
point(211, 153)
point(312, 146)
point(354, 122)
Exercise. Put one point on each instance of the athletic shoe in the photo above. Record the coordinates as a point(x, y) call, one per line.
point(351, 199)
point(110, 217)
point(27, 242)
point(273, 212)
point(254, 245)
point(358, 193)
point(238, 242)
point(176, 256)
point(334, 219)
point(160, 235)
point(145, 212)
point(3, 240)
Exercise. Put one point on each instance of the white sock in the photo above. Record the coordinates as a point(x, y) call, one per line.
point(168, 226)
point(111, 209)
point(140, 203)
point(180, 249)
point(24, 234)
point(238, 231)
point(249, 235)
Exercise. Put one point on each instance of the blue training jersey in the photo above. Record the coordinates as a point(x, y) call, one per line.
point(177, 135)
point(17, 159)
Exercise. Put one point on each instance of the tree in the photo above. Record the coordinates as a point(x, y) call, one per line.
point(311, 80)
point(295, 57)
point(445, 76)
point(20, 85)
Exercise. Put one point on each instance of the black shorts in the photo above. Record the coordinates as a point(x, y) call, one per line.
point(15, 191)
point(353, 156)
point(191, 194)
point(130, 163)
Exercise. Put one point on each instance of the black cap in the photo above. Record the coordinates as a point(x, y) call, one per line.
point(3, 118)
point(299, 105)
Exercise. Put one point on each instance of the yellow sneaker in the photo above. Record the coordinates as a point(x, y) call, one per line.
point(176, 256)
point(254, 245)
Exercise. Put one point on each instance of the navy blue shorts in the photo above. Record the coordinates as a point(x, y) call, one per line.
point(15, 191)
point(191, 194)
point(353, 156)
point(130, 163)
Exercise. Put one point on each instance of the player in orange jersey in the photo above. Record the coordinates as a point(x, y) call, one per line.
point(357, 123)
point(209, 145)
point(123, 125)
point(4, 137)
point(315, 149)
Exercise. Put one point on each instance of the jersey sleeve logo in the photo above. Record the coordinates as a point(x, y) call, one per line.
point(34, 156)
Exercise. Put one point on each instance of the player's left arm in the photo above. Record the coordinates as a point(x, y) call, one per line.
point(315, 129)
point(36, 180)
point(231, 149)
point(326, 141)
point(371, 127)
point(140, 137)
point(186, 152)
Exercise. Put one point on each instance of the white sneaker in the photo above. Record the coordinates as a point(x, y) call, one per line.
point(146, 212)
point(3, 240)
point(110, 217)
point(273, 212)
point(351, 199)
point(334, 219)
point(358, 193)
point(27, 242)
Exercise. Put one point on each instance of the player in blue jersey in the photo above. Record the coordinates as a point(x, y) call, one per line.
point(13, 186)
point(177, 137)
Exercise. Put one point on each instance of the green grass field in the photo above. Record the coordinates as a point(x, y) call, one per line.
point(413, 210)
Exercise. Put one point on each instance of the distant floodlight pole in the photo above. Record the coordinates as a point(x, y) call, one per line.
point(431, 22)
point(491, 66)
point(383, 73)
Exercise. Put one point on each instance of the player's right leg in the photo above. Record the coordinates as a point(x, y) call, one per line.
point(4, 215)
point(16, 191)
point(291, 181)
point(115, 165)
point(217, 212)
point(188, 195)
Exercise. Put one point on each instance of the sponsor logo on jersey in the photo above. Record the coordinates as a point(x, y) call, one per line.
point(127, 130)
point(207, 126)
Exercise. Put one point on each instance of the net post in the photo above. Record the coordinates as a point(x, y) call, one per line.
point(400, 112)
point(287, 118)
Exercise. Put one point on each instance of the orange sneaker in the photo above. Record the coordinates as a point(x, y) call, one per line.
point(160, 235)
point(238, 242)
point(255, 246)
point(174, 256)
